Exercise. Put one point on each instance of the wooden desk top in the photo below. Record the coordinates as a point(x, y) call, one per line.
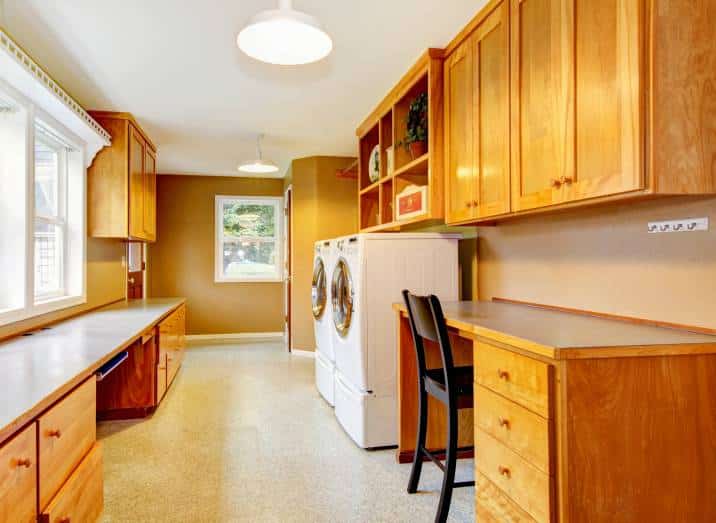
point(37, 370)
point(563, 335)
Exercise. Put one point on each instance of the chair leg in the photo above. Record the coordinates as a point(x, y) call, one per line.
point(450, 465)
point(419, 441)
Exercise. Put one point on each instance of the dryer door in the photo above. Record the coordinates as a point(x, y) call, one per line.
point(318, 288)
point(342, 297)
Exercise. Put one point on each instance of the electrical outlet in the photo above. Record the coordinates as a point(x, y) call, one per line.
point(688, 225)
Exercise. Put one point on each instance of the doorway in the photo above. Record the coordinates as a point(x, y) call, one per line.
point(136, 270)
point(288, 262)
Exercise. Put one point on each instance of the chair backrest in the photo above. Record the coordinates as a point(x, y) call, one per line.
point(427, 322)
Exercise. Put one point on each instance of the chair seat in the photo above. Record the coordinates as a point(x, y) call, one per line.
point(462, 377)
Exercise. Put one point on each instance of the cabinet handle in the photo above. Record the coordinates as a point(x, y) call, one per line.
point(504, 471)
point(474, 203)
point(24, 462)
point(504, 422)
point(503, 374)
point(566, 179)
point(54, 433)
point(468, 204)
point(555, 183)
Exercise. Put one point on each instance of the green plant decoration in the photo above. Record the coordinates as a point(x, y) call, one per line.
point(417, 121)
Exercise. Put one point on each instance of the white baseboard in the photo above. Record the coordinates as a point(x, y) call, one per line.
point(303, 353)
point(236, 336)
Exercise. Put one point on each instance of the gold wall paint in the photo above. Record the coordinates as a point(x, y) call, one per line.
point(324, 207)
point(603, 260)
point(181, 262)
point(106, 283)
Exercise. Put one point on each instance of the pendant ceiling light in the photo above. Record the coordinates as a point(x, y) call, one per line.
point(285, 36)
point(259, 165)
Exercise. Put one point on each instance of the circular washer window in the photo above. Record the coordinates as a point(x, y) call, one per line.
point(342, 297)
point(318, 289)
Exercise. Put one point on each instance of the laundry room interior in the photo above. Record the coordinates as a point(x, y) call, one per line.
point(358, 262)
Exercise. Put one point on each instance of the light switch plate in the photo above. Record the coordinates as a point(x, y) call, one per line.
point(687, 225)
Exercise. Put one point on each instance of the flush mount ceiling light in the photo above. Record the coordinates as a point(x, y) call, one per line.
point(284, 36)
point(259, 165)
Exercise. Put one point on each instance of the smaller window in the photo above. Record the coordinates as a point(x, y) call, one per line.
point(248, 239)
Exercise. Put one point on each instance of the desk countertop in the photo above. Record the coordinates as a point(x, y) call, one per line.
point(37, 370)
point(564, 335)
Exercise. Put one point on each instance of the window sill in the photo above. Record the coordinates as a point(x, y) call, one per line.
point(248, 280)
point(44, 307)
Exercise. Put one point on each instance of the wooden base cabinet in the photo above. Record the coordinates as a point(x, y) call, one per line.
point(122, 182)
point(18, 477)
point(581, 440)
point(172, 341)
point(607, 101)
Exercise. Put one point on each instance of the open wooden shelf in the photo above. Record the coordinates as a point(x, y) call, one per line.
point(385, 127)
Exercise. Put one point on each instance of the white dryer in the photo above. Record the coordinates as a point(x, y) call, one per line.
point(370, 272)
point(322, 324)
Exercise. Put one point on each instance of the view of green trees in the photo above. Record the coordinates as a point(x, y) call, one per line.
point(249, 220)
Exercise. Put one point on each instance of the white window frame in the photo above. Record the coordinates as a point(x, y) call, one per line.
point(74, 270)
point(277, 203)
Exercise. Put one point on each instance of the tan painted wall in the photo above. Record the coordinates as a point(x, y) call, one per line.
point(106, 283)
point(324, 206)
point(603, 260)
point(181, 262)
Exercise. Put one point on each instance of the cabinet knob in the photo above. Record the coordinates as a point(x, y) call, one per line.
point(54, 433)
point(566, 180)
point(24, 462)
point(554, 182)
point(504, 422)
point(64, 520)
point(468, 204)
point(503, 374)
point(504, 471)
point(474, 203)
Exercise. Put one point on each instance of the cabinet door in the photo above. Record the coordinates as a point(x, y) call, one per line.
point(460, 116)
point(136, 185)
point(542, 101)
point(608, 46)
point(150, 195)
point(492, 110)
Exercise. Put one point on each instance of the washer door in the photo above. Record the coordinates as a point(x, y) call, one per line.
point(342, 297)
point(318, 288)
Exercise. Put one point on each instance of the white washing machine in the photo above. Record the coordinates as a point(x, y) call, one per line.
point(370, 272)
point(322, 323)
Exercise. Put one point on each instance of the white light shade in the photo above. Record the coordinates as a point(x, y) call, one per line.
point(258, 167)
point(285, 37)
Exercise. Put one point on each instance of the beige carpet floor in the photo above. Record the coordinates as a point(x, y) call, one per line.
point(243, 436)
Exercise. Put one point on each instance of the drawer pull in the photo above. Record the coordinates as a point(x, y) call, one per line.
point(504, 422)
point(54, 433)
point(503, 374)
point(504, 471)
point(566, 180)
point(64, 520)
point(555, 183)
point(24, 462)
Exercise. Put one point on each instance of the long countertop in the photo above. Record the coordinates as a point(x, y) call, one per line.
point(37, 370)
point(564, 335)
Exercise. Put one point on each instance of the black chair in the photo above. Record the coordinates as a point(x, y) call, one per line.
point(451, 385)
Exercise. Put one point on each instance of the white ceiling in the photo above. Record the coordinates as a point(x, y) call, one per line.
point(175, 65)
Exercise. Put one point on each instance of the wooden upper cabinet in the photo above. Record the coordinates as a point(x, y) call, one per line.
point(608, 123)
point(137, 184)
point(542, 98)
point(150, 195)
point(478, 122)
point(121, 182)
point(459, 121)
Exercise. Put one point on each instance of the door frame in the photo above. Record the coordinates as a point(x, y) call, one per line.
point(288, 266)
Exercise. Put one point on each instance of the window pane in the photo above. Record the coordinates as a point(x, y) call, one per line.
point(250, 258)
point(249, 219)
point(46, 179)
point(48, 259)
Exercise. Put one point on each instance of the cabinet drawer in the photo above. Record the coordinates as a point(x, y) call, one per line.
point(81, 498)
point(528, 486)
point(18, 477)
point(173, 364)
point(493, 506)
point(514, 426)
point(521, 379)
point(66, 433)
